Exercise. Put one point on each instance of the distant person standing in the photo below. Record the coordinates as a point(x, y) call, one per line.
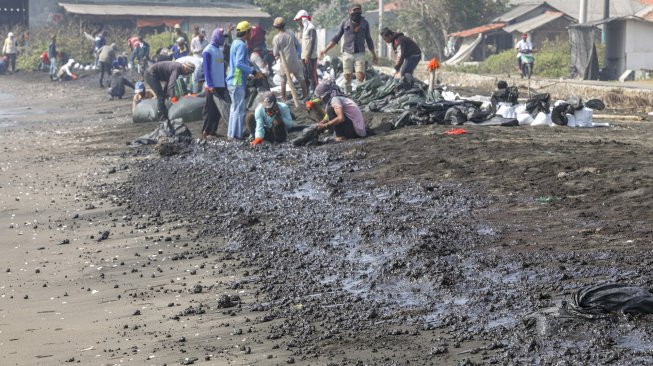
point(199, 43)
point(408, 52)
point(284, 47)
point(106, 56)
point(309, 47)
point(217, 97)
point(177, 32)
point(52, 57)
point(9, 49)
point(140, 54)
point(99, 41)
point(356, 31)
point(237, 80)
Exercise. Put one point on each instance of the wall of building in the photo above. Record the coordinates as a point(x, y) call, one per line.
point(639, 48)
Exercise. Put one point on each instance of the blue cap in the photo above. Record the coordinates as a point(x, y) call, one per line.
point(139, 87)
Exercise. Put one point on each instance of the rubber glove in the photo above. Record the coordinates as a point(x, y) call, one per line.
point(256, 141)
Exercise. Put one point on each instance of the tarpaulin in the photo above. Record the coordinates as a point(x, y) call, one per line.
point(584, 62)
point(140, 23)
point(465, 51)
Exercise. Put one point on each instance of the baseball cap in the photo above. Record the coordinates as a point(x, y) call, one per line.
point(139, 87)
point(268, 99)
point(356, 6)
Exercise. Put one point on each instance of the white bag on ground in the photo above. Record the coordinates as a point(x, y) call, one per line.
point(524, 119)
point(584, 117)
point(542, 119)
point(571, 120)
point(506, 110)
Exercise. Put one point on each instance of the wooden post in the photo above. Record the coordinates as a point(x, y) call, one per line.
point(284, 65)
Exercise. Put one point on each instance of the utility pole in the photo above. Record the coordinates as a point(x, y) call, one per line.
point(606, 9)
point(381, 45)
point(582, 19)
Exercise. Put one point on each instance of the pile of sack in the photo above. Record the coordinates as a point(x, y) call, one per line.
point(538, 111)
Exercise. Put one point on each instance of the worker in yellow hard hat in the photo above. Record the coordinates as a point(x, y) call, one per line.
point(237, 80)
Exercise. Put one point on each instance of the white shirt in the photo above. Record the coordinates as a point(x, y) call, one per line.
point(523, 46)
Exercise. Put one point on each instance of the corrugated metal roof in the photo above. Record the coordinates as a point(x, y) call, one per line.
point(517, 11)
point(477, 30)
point(646, 13)
point(596, 23)
point(618, 8)
point(535, 22)
point(221, 11)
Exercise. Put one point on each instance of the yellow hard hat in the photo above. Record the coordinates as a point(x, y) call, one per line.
point(243, 26)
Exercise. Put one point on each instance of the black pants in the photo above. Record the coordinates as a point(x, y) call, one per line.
point(217, 105)
point(276, 134)
point(104, 67)
point(160, 93)
point(345, 129)
point(12, 61)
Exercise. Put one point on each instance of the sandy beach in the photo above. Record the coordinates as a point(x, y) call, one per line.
point(407, 248)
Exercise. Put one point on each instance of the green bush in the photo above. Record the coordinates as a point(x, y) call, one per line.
point(157, 41)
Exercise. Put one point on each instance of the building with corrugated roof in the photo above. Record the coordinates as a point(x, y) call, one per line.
point(140, 13)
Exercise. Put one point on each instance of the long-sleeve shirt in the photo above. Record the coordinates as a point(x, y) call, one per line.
point(167, 71)
point(356, 36)
point(239, 64)
point(213, 64)
point(404, 47)
point(117, 83)
point(52, 50)
point(179, 52)
point(264, 121)
point(286, 44)
point(107, 54)
point(197, 46)
point(141, 52)
point(10, 46)
point(309, 41)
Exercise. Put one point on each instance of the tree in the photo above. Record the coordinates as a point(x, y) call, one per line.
point(430, 21)
point(287, 8)
point(331, 14)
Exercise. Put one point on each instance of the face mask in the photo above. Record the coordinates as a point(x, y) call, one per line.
point(356, 17)
point(271, 112)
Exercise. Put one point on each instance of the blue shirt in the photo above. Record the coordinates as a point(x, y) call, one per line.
point(178, 53)
point(264, 121)
point(239, 64)
point(213, 66)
